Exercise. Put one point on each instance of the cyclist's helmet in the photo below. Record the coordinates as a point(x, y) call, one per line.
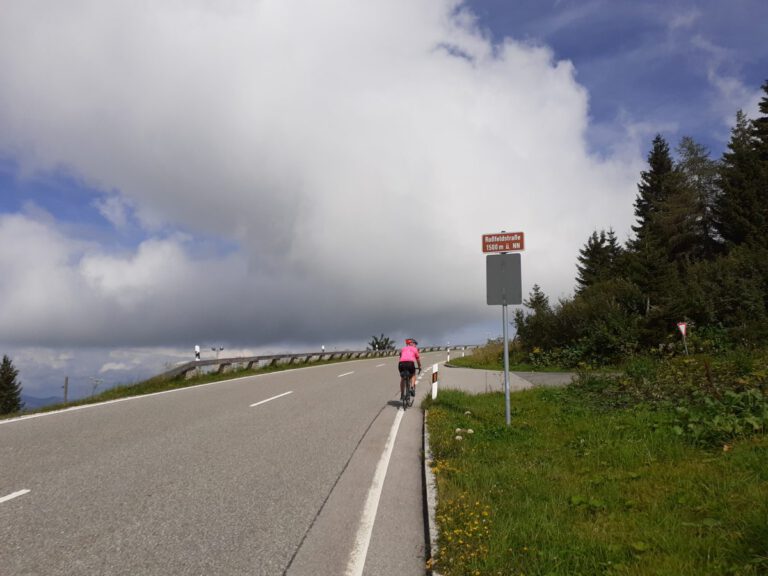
point(411, 342)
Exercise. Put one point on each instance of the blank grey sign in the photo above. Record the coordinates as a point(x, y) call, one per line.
point(504, 281)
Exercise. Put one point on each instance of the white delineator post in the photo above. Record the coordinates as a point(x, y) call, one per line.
point(434, 381)
point(449, 355)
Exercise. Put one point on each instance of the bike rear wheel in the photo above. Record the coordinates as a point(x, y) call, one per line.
point(405, 388)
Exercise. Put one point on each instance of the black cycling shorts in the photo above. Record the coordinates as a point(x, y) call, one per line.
point(409, 367)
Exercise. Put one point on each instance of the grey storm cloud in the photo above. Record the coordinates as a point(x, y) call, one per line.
point(353, 153)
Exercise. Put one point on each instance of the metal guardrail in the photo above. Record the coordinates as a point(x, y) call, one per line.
point(189, 369)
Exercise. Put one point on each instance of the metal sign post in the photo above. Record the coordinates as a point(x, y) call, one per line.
point(504, 287)
point(507, 407)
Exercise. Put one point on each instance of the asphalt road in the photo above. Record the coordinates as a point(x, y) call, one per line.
point(274, 474)
point(485, 381)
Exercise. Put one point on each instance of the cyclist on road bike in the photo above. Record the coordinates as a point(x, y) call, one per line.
point(409, 357)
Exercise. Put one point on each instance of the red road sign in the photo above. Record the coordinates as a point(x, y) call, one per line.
point(504, 242)
point(682, 326)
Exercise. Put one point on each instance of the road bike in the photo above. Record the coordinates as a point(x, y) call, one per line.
point(405, 385)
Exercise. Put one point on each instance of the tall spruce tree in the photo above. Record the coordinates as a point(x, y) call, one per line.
point(761, 126)
point(761, 141)
point(10, 389)
point(736, 285)
point(676, 227)
point(653, 187)
point(696, 203)
point(647, 263)
point(741, 216)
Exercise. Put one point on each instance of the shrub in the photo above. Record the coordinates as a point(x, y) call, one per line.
point(713, 400)
point(600, 325)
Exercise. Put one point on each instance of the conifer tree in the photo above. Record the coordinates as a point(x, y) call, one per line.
point(647, 263)
point(597, 260)
point(761, 126)
point(537, 301)
point(761, 141)
point(696, 237)
point(654, 186)
point(536, 329)
point(10, 389)
point(591, 260)
point(614, 248)
point(741, 215)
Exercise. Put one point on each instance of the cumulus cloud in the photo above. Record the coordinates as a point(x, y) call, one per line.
point(115, 210)
point(731, 94)
point(114, 366)
point(350, 154)
point(684, 19)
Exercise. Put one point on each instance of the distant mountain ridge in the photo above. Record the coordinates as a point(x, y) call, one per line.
point(32, 402)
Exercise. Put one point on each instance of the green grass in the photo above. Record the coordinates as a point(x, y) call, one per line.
point(575, 488)
point(491, 357)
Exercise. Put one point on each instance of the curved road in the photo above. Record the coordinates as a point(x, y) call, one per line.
point(285, 473)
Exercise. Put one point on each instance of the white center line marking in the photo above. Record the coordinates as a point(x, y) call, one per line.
point(14, 495)
point(345, 374)
point(363, 539)
point(273, 398)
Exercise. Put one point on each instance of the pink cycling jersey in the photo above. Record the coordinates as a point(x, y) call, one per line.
point(409, 354)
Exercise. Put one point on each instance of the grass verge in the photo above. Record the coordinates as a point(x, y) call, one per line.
point(491, 357)
point(572, 487)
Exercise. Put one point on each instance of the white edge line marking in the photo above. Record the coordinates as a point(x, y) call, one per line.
point(380, 365)
point(345, 374)
point(14, 495)
point(364, 531)
point(273, 398)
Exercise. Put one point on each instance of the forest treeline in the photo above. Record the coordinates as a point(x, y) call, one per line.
point(698, 253)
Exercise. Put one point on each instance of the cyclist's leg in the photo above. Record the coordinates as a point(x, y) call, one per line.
point(407, 373)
